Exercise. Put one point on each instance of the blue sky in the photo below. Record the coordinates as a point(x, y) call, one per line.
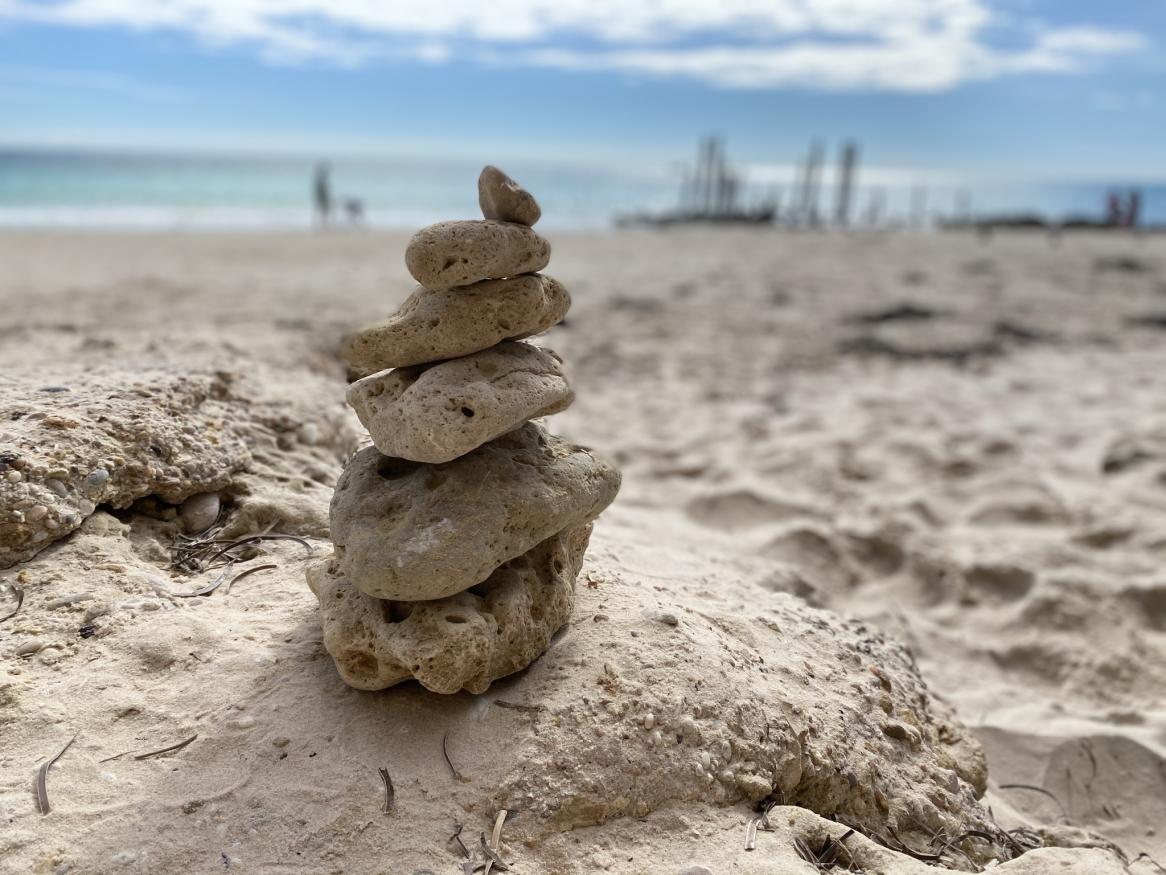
point(1000, 87)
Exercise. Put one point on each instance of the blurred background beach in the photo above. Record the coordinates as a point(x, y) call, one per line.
point(925, 386)
point(60, 188)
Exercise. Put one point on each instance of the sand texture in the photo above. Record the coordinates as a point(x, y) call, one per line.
point(887, 554)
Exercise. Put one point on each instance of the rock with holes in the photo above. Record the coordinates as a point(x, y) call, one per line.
point(501, 198)
point(432, 326)
point(435, 413)
point(409, 531)
point(109, 437)
point(463, 641)
point(451, 254)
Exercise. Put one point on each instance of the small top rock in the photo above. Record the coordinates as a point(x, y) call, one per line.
point(503, 199)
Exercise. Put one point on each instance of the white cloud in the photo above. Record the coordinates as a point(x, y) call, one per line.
point(903, 45)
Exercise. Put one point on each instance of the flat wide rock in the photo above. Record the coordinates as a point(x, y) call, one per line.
point(413, 532)
point(436, 413)
point(451, 254)
point(501, 198)
point(108, 438)
point(464, 641)
point(432, 326)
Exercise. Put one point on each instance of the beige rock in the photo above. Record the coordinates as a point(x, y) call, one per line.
point(501, 198)
point(435, 413)
point(451, 254)
point(199, 512)
point(464, 641)
point(431, 326)
point(413, 532)
point(109, 437)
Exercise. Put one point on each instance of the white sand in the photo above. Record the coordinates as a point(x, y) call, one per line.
point(957, 501)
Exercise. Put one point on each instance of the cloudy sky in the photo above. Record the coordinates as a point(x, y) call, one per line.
point(1064, 87)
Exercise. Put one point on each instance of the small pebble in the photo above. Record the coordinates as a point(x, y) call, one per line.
point(97, 478)
point(696, 870)
point(69, 600)
point(13, 476)
point(29, 647)
point(199, 512)
point(36, 512)
point(281, 741)
point(55, 485)
point(668, 619)
point(309, 434)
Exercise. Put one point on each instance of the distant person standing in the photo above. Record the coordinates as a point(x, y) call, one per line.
point(1134, 208)
point(322, 193)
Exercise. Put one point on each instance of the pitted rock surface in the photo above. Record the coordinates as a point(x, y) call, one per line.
point(451, 254)
point(463, 641)
point(780, 700)
point(108, 438)
point(501, 198)
point(411, 532)
point(435, 413)
point(432, 326)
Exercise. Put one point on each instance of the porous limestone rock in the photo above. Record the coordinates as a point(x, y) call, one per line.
point(451, 254)
point(108, 438)
point(412, 532)
point(435, 413)
point(431, 326)
point(464, 641)
point(501, 198)
point(737, 702)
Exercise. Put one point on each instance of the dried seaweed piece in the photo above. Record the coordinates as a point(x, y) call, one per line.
point(445, 752)
point(19, 591)
point(250, 539)
point(457, 837)
point(492, 858)
point(244, 573)
point(751, 833)
point(172, 749)
point(389, 791)
point(42, 776)
point(903, 849)
point(516, 706)
point(204, 590)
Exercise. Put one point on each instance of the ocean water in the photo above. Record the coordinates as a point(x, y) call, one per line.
point(112, 190)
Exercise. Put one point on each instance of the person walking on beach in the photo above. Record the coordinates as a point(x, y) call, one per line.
point(322, 193)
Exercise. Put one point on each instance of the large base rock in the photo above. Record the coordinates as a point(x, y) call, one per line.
point(414, 532)
point(464, 641)
point(770, 700)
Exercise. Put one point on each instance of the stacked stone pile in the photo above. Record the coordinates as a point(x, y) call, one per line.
point(459, 534)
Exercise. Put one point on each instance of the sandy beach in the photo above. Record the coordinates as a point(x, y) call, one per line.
point(957, 442)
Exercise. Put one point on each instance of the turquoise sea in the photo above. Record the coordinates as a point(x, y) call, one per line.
point(123, 190)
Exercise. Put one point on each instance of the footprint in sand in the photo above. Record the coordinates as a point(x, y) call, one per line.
point(998, 580)
point(818, 559)
point(1026, 505)
point(743, 509)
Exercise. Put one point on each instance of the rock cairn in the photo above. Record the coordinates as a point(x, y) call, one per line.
point(459, 534)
